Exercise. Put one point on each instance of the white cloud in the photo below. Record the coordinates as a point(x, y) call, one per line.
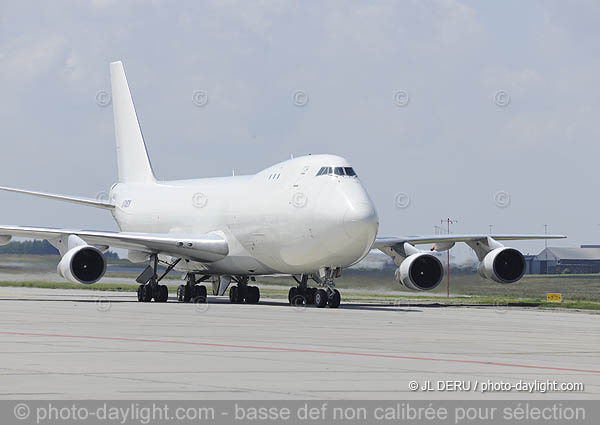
point(103, 4)
point(28, 57)
point(505, 79)
point(455, 145)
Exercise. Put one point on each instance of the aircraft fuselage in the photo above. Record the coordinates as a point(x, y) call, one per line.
point(284, 219)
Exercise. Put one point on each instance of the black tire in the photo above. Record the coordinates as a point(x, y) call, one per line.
point(298, 301)
point(334, 301)
point(257, 292)
point(199, 294)
point(292, 293)
point(253, 295)
point(233, 294)
point(146, 293)
point(180, 293)
point(139, 293)
point(163, 292)
point(321, 298)
point(200, 291)
point(310, 295)
point(187, 293)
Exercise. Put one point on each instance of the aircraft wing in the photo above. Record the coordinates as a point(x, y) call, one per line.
point(204, 248)
point(73, 199)
point(387, 242)
point(419, 270)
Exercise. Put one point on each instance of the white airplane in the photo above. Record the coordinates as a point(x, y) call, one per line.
point(308, 217)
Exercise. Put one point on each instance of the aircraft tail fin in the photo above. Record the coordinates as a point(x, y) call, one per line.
point(132, 156)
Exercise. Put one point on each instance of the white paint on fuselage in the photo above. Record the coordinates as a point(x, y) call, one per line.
point(284, 219)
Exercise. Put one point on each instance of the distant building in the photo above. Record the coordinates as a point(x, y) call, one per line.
point(565, 260)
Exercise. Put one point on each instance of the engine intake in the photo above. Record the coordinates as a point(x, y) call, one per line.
point(82, 264)
point(502, 265)
point(420, 272)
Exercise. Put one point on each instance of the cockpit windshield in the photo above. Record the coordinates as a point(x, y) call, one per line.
point(338, 171)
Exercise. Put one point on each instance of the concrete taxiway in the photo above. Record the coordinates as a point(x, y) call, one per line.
point(78, 344)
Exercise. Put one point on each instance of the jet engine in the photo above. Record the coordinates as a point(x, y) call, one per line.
point(421, 272)
point(502, 265)
point(82, 264)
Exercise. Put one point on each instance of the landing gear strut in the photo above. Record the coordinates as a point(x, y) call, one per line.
point(327, 295)
point(242, 293)
point(191, 291)
point(149, 280)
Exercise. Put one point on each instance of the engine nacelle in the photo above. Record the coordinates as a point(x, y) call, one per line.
point(82, 264)
point(502, 265)
point(421, 272)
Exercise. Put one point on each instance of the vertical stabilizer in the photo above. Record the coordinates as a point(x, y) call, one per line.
point(132, 156)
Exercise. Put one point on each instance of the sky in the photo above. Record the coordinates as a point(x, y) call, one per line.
point(483, 112)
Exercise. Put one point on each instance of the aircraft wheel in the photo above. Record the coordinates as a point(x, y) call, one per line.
point(321, 298)
point(293, 292)
point(253, 295)
point(187, 293)
point(334, 301)
point(310, 295)
point(146, 293)
point(298, 301)
point(199, 295)
point(180, 293)
point(162, 294)
point(233, 294)
point(250, 295)
point(139, 293)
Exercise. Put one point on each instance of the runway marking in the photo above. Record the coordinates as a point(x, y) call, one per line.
point(302, 350)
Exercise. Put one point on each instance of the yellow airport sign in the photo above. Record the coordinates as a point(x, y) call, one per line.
point(554, 298)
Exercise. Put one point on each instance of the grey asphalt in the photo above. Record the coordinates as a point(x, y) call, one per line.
point(79, 344)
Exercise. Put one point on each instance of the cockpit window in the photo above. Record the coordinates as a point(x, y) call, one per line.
point(338, 171)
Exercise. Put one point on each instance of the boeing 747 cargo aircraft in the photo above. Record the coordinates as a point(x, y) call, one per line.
point(309, 217)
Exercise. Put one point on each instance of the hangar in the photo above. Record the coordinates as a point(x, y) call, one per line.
point(555, 260)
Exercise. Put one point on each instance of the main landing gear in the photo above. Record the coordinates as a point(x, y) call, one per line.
point(327, 295)
point(242, 293)
point(192, 291)
point(149, 288)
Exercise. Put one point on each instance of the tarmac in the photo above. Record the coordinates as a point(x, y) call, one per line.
point(82, 344)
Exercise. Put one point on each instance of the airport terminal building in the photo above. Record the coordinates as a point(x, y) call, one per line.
point(585, 259)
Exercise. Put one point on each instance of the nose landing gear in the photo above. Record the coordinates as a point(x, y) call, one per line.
point(327, 295)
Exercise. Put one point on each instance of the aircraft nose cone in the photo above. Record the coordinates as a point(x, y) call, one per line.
point(360, 221)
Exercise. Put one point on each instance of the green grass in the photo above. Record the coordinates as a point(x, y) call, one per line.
point(369, 286)
point(585, 288)
point(125, 287)
point(499, 302)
